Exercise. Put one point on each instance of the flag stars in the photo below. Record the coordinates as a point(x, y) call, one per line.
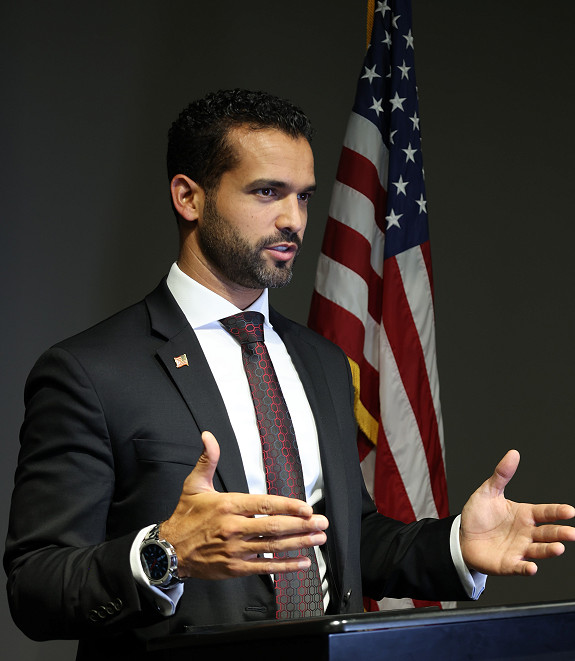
point(387, 39)
point(376, 106)
point(370, 73)
point(392, 136)
point(409, 39)
point(383, 7)
point(393, 219)
point(422, 202)
point(397, 102)
point(404, 69)
point(401, 185)
point(415, 120)
point(394, 20)
point(409, 153)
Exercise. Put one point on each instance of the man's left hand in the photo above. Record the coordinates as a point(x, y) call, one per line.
point(501, 537)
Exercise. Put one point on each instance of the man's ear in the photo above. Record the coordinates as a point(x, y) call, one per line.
point(188, 197)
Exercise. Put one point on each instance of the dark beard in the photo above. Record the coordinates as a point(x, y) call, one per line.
point(236, 259)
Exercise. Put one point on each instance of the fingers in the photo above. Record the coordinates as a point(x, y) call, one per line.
point(504, 471)
point(265, 505)
point(262, 565)
point(200, 480)
point(564, 512)
point(211, 452)
point(545, 550)
point(272, 555)
point(220, 545)
point(552, 512)
point(536, 552)
point(276, 526)
point(525, 568)
point(278, 533)
point(556, 533)
point(545, 544)
point(249, 505)
point(260, 545)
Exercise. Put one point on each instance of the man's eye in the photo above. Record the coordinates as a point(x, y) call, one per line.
point(265, 192)
point(304, 197)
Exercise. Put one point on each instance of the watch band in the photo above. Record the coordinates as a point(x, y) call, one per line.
point(159, 560)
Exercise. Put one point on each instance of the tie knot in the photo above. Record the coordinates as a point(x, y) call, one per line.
point(245, 326)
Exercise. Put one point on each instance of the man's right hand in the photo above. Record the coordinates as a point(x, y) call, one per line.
point(220, 535)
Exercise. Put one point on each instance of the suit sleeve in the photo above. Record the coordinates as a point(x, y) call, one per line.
point(408, 560)
point(65, 578)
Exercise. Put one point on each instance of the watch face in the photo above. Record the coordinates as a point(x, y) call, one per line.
point(155, 561)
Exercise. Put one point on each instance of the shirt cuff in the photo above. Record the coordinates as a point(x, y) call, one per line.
point(472, 581)
point(165, 599)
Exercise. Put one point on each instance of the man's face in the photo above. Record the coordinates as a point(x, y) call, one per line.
point(252, 226)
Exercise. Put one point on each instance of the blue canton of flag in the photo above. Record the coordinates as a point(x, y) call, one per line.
point(387, 97)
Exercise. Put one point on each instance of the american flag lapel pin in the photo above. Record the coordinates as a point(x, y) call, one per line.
point(181, 361)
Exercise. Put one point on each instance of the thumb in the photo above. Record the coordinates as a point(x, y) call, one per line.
point(200, 480)
point(504, 471)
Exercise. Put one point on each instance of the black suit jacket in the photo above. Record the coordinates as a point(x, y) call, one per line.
point(113, 428)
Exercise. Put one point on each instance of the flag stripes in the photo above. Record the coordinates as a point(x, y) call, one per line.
point(374, 288)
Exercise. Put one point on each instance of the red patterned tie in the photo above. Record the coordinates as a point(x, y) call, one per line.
point(298, 594)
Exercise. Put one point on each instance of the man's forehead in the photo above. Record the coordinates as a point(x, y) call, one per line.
point(259, 143)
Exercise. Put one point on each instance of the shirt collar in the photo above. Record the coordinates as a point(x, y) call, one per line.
point(201, 305)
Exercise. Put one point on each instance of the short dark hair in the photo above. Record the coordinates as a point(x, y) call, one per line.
point(197, 140)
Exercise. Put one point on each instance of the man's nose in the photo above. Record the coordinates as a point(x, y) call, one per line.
point(292, 215)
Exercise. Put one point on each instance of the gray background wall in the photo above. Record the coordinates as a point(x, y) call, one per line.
point(88, 91)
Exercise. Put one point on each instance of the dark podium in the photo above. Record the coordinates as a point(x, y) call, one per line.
point(538, 631)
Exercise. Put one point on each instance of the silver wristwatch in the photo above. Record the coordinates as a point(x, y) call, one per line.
point(159, 560)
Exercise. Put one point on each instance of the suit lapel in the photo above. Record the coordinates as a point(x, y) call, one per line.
point(195, 383)
point(198, 388)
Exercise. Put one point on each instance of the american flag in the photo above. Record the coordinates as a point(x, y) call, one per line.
point(374, 289)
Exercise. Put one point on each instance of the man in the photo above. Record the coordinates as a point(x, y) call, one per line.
point(118, 416)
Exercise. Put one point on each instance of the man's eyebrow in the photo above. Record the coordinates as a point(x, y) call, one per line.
point(273, 183)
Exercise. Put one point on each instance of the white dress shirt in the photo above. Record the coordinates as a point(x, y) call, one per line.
point(203, 309)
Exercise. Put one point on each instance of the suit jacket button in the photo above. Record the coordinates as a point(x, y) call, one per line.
point(117, 604)
point(102, 612)
point(93, 616)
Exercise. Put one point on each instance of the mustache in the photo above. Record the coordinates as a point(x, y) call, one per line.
point(280, 237)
